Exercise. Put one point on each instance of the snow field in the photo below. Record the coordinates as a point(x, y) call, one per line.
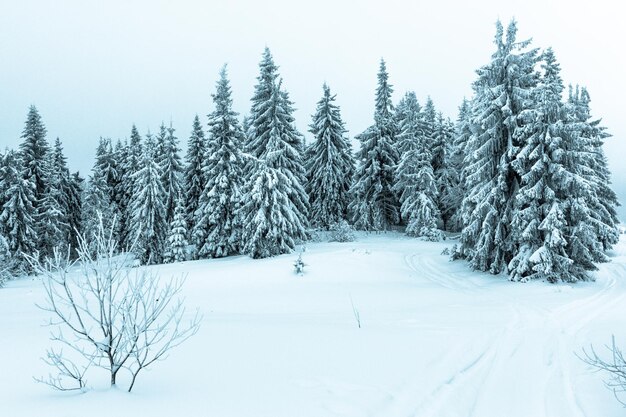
point(436, 340)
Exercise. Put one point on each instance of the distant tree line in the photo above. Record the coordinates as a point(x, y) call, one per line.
point(521, 175)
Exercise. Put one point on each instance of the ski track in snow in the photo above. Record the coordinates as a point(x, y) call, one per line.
point(467, 391)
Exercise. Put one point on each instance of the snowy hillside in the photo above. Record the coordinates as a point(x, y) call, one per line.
point(435, 340)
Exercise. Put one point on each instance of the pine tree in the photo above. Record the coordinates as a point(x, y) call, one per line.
point(171, 166)
point(108, 168)
point(268, 223)
point(131, 165)
point(33, 151)
point(120, 194)
point(602, 200)
point(456, 162)
point(446, 176)
point(330, 165)
point(546, 184)
point(194, 178)
point(273, 138)
point(414, 179)
point(148, 227)
point(410, 122)
point(218, 228)
point(52, 220)
point(75, 210)
point(17, 214)
point(34, 157)
point(501, 93)
point(375, 205)
point(258, 132)
point(97, 209)
point(430, 125)
point(177, 238)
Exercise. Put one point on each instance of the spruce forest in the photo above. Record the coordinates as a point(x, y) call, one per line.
point(519, 176)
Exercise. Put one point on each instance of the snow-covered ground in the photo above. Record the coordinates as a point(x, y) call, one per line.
point(436, 340)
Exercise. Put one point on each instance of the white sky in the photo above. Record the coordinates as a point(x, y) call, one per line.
point(94, 67)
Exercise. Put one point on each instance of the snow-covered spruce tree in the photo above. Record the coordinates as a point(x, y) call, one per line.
point(97, 209)
point(268, 222)
point(34, 150)
point(120, 196)
point(602, 200)
point(148, 226)
point(410, 121)
point(172, 171)
point(52, 222)
point(60, 170)
point(502, 94)
point(546, 185)
point(107, 166)
point(75, 210)
point(445, 174)
point(456, 162)
point(217, 232)
point(330, 165)
point(7, 263)
point(131, 164)
point(273, 138)
point(34, 157)
point(430, 125)
point(194, 178)
point(17, 215)
point(177, 239)
point(414, 179)
point(375, 206)
point(257, 131)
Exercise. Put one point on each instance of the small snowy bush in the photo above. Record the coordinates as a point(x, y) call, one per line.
point(342, 232)
point(299, 264)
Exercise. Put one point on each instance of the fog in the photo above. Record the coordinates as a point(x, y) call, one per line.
point(95, 68)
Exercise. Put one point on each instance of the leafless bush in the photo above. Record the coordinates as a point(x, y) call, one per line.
point(114, 317)
point(615, 365)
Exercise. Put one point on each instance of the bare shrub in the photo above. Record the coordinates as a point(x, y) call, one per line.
point(109, 315)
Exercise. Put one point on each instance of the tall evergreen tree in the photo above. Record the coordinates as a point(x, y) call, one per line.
point(75, 209)
point(602, 200)
point(268, 223)
point(415, 183)
point(172, 169)
point(53, 219)
point(274, 139)
point(258, 133)
point(17, 214)
point(194, 177)
point(148, 227)
point(330, 164)
point(34, 149)
point(177, 238)
point(501, 97)
point(446, 177)
point(546, 185)
point(131, 165)
point(410, 121)
point(120, 194)
point(375, 205)
point(97, 208)
point(217, 231)
point(453, 197)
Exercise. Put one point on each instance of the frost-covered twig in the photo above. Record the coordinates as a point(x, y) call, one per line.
point(615, 366)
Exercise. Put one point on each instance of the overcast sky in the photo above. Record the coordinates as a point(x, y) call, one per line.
point(93, 68)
